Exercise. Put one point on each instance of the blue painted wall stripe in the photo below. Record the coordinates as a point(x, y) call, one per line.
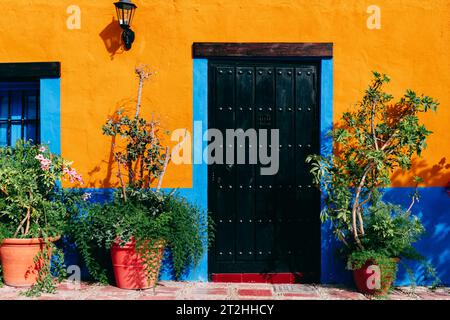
point(51, 113)
point(198, 194)
point(433, 208)
point(329, 263)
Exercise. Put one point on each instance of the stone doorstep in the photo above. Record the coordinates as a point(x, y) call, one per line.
point(295, 288)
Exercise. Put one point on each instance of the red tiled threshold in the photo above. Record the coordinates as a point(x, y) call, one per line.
point(274, 278)
point(210, 291)
point(255, 292)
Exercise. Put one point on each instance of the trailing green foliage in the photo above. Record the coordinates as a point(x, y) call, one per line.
point(147, 217)
point(32, 202)
point(50, 261)
point(392, 230)
point(187, 233)
point(370, 142)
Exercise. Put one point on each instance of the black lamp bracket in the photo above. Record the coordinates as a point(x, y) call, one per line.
point(128, 38)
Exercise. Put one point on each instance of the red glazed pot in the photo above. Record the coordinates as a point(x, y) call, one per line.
point(364, 279)
point(128, 266)
point(17, 258)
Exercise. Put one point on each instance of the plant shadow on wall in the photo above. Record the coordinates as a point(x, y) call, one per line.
point(435, 175)
point(110, 179)
point(437, 225)
point(112, 38)
point(436, 240)
point(373, 140)
point(140, 222)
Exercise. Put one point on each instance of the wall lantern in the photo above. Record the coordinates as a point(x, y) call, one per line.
point(125, 13)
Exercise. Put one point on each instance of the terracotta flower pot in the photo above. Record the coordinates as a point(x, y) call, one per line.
point(17, 258)
point(364, 279)
point(129, 266)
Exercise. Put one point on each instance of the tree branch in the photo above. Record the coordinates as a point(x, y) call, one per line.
point(163, 172)
point(413, 200)
point(167, 160)
point(372, 125)
point(119, 175)
point(355, 214)
point(22, 223)
point(143, 76)
point(356, 205)
point(4, 191)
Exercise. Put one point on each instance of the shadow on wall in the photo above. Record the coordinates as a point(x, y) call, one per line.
point(435, 175)
point(112, 38)
point(433, 209)
point(109, 180)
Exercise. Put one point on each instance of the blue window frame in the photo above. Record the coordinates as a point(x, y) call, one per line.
point(19, 112)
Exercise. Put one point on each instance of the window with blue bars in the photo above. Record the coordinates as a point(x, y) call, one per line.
point(19, 112)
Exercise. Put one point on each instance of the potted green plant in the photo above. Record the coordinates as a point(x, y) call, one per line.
point(371, 141)
point(33, 213)
point(140, 222)
point(136, 232)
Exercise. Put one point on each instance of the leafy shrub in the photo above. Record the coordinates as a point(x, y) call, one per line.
point(370, 142)
point(146, 217)
point(32, 201)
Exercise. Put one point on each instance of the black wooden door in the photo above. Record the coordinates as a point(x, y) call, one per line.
point(266, 223)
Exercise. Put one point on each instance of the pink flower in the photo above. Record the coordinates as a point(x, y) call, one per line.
point(45, 163)
point(42, 149)
point(73, 175)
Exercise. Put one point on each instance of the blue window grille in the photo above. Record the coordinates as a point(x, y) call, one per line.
point(19, 112)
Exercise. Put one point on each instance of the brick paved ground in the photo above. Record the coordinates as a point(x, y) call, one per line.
point(216, 291)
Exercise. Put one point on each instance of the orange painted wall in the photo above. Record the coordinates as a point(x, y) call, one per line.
point(412, 46)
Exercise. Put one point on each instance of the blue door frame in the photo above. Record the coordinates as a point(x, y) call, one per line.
point(200, 114)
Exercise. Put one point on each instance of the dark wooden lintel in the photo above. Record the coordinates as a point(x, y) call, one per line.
point(253, 49)
point(26, 70)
